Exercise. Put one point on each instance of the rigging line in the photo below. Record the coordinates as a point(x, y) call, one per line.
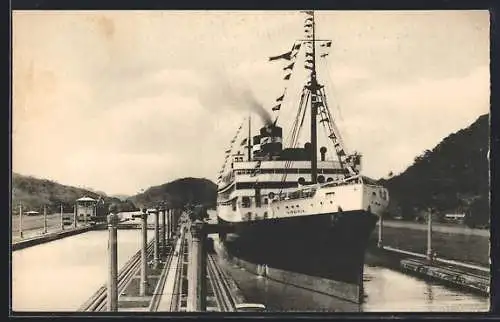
point(332, 89)
point(302, 107)
point(308, 94)
point(292, 130)
point(304, 114)
point(337, 132)
point(327, 128)
point(336, 143)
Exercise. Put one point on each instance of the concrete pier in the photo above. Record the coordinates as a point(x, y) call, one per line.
point(156, 258)
point(170, 224)
point(144, 262)
point(163, 234)
point(112, 289)
point(196, 299)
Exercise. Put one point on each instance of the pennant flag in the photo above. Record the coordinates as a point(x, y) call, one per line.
point(327, 44)
point(244, 141)
point(309, 54)
point(309, 19)
point(324, 55)
point(287, 77)
point(309, 61)
point(227, 151)
point(289, 66)
point(279, 99)
point(277, 107)
point(295, 50)
point(308, 12)
point(286, 56)
point(309, 24)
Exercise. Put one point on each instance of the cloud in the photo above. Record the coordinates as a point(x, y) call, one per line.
point(123, 100)
point(393, 124)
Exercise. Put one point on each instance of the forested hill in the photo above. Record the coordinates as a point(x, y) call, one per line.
point(451, 178)
point(34, 193)
point(179, 193)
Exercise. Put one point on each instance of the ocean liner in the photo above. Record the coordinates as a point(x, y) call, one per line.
point(299, 217)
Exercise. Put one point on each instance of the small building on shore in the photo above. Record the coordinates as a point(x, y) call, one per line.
point(85, 208)
point(455, 218)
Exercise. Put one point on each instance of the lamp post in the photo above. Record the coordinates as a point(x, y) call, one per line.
point(429, 234)
point(144, 261)
point(163, 231)
point(45, 219)
point(62, 218)
point(380, 231)
point(156, 259)
point(75, 215)
point(20, 220)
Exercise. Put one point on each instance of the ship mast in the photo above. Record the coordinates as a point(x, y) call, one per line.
point(313, 87)
point(249, 146)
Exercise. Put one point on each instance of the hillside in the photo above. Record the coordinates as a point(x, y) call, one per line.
point(451, 178)
point(179, 193)
point(34, 193)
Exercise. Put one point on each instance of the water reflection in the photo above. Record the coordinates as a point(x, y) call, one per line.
point(388, 290)
point(61, 275)
point(430, 297)
point(385, 290)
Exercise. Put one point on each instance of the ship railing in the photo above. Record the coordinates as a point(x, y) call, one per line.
point(343, 182)
point(299, 194)
point(227, 202)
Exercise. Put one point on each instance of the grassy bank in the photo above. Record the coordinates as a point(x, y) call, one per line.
point(469, 248)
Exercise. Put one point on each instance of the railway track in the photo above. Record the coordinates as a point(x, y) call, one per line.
point(179, 297)
point(97, 302)
point(218, 288)
point(219, 285)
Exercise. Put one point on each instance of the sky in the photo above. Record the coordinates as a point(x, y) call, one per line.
point(119, 101)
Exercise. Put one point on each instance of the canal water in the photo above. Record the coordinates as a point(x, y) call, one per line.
point(61, 275)
point(385, 290)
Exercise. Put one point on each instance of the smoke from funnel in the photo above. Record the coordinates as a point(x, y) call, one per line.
point(231, 92)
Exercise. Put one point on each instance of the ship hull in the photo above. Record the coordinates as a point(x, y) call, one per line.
point(323, 252)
